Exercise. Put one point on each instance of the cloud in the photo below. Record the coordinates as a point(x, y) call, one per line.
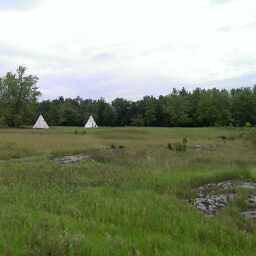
point(224, 29)
point(102, 57)
point(19, 4)
point(221, 1)
point(244, 80)
point(128, 48)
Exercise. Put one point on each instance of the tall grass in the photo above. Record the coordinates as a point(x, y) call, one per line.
point(127, 202)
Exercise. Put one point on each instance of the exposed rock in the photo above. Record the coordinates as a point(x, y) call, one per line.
point(210, 202)
point(70, 159)
point(249, 185)
point(251, 212)
point(202, 147)
point(77, 158)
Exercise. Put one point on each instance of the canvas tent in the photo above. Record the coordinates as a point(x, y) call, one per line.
point(40, 123)
point(91, 123)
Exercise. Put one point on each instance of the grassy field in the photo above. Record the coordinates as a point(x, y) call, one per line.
point(128, 202)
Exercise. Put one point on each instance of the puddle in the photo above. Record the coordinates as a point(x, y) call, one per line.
point(77, 158)
point(209, 201)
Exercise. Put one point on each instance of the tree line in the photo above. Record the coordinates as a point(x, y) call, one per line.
point(212, 107)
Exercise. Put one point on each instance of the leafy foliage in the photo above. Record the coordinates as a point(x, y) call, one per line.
point(18, 95)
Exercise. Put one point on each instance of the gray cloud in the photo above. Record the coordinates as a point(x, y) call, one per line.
point(245, 80)
point(109, 86)
point(102, 57)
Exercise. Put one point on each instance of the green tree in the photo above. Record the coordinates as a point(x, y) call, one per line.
point(214, 108)
point(69, 114)
point(177, 107)
point(121, 106)
point(150, 111)
point(109, 116)
point(193, 100)
point(244, 105)
point(18, 95)
point(163, 115)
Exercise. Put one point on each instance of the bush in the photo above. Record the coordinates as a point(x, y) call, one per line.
point(121, 146)
point(180, 147)
point(76, 131)
point(113, 146)
point(185, 140)
point(169, 146)
point(248, 124)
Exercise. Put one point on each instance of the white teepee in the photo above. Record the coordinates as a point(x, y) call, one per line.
point(40, 123)
point(91, 123)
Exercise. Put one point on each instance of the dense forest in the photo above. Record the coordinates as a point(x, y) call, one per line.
point(180, 108)
point(213, 107)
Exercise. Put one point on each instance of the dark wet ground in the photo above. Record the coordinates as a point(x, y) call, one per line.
point(213, 196)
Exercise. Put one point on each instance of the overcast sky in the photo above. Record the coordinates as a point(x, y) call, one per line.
point(129, 48)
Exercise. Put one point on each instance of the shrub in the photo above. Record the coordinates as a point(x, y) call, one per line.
point(185, 140)
point(169, 146)
point(121, 146)
point(180, 147)
point(248, 124)
point(76, 131)
point(113, 146)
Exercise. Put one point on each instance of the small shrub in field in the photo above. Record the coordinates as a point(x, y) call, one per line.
point(180, 147)
point(230, 125)
point(169, 146)
point(121, 146)
point(76, 131)
point(185, 140)
point(113, 146)
point(84, 132)
point(248, 124)
point(223, 137)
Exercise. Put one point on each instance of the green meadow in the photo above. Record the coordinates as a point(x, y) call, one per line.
point(128, 202)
